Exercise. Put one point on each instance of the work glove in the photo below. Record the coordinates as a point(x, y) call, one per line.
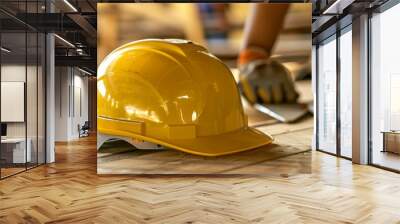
point(267, 82)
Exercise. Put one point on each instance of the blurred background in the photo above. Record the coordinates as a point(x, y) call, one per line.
point(217, 26)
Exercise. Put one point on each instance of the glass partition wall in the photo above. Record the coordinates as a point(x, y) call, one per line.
point(385, 89)
point(334, 94)
point(345, 91)
point(22, 94)
point(327, 95)
point(334, 126)
point(13, 89)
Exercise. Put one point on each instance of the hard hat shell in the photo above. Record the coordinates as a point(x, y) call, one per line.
point(176, 94)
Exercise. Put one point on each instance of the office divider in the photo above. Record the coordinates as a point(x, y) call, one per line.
point(334, 93)
point(22, 88)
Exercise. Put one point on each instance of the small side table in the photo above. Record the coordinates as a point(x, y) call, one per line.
point(391, 141)
point(14, 150)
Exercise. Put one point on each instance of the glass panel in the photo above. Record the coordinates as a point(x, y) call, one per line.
point(31, 97)
point(22, 89)
point(13, 86)
point(345, 94)
point(327, 96)
point(31, 87)
point(385, 84)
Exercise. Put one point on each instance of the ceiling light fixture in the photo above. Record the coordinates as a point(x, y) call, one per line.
point(337, 7)
point(65, 41)
point(5, 50)
point(70, 5)
point(84, 71)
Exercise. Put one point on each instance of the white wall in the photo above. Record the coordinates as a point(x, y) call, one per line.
point(12, 73)
point(80, 109)
point(61, 103)
point(71, 94)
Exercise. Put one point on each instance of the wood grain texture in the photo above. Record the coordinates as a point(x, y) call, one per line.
point(70, 191)
point(122, 158)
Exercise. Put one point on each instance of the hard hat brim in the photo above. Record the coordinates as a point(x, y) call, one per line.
point(224, 144)
point(217, 145)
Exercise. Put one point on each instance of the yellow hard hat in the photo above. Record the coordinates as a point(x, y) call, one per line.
point(176, 94)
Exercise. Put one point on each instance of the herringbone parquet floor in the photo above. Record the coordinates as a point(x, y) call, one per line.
point(70, 191)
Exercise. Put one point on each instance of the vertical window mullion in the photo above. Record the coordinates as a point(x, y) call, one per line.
point(26, 86)
point(369, 74)
point(0, 94)
point(37, 90)
point(338, 80)
point(317, 97)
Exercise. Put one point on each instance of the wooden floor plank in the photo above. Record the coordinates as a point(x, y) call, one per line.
point(70, 191)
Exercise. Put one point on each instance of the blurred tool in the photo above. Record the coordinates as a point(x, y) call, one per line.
point(266, 83)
